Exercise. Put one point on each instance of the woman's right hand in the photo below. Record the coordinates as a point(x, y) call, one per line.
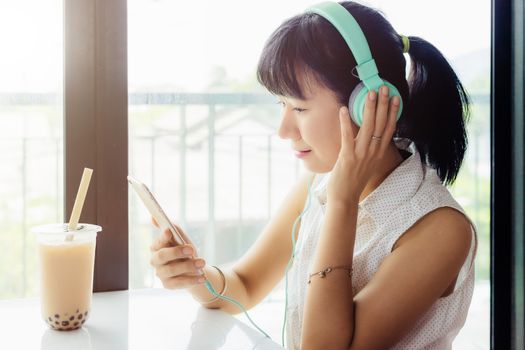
point(174, 264)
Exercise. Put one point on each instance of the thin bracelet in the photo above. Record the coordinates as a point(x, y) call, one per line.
point(225, 286)
point(324, 272)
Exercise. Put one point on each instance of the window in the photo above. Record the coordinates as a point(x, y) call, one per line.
point(31, 160)
point(53, 97)
point(201, 129)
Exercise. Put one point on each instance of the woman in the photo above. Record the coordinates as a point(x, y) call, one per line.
point(383, 256)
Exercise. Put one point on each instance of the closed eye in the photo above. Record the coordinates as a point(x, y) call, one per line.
point(296, 109)
point(299, 110)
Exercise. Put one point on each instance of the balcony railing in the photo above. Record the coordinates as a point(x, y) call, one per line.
point(201, 136)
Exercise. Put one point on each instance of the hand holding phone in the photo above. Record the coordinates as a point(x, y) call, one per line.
point(176, 266)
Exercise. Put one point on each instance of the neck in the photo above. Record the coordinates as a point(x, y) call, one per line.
point(391, 161)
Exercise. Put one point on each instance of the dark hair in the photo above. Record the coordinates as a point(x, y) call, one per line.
point(436, 106)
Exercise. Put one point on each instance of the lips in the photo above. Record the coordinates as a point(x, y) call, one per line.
point(302, 153)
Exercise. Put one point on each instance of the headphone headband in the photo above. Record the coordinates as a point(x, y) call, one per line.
point(354, 37)
point(347, 26)
point(366, 67)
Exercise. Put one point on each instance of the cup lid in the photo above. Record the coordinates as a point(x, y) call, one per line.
point(60, 229)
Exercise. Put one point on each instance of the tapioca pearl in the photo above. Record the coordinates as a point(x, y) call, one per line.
point(80, 316)
point(57, 316)
point(72, 318)
point(57, 323)
point(77, 311)
point(85, 313)
point(50, 319)
point(65, 323)
point(84, 320)
point(75, 324)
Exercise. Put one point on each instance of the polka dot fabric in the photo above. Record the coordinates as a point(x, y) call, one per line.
point(411, 191)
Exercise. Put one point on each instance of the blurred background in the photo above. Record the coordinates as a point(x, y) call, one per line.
point(202, 132)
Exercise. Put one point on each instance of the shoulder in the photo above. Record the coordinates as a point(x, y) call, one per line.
point(444, 228)
point(423, 267)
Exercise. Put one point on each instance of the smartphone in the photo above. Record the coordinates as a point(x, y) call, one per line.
point(155, 210)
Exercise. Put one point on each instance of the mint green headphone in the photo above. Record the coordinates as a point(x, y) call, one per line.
point(347, 26)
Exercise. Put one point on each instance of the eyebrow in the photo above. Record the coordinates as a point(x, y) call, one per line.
point(306, 99)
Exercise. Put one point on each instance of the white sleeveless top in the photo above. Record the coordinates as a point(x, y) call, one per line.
point(407, 194)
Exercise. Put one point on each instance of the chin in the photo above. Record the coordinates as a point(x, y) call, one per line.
point(317, 167)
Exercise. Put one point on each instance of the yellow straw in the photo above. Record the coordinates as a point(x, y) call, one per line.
point(79, 202)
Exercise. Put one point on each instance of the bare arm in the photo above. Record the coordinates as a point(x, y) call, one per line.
point(404, 288)
point(329, 309)
point(263, 266)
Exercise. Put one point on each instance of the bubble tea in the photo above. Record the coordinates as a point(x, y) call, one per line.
point(66, 273)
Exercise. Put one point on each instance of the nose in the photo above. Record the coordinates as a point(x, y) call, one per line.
point(288, 127)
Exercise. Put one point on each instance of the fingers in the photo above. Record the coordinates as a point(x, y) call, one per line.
point(347, 133)
point(381, 113)
point(180, 267)
point(365, 132)
point(165, 239)
point(390, 127)
point(379, 119)
point(174, 264)
point(167, 254)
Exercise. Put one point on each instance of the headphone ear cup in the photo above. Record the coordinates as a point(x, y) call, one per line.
point(354, 103)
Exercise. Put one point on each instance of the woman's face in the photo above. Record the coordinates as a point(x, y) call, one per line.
point(312, 126)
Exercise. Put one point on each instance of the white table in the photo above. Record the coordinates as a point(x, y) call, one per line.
point(151, 319)
point(156, 319)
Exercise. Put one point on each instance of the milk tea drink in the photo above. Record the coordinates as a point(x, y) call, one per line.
point(66, 273)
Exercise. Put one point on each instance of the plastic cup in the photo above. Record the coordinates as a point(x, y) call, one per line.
point(66, 273)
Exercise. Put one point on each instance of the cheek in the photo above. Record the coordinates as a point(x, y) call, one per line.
point(332, 141)
point(336, 145)
point(323, 133)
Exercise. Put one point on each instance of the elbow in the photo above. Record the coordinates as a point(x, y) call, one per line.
point(322, 346)
point(339, 339)
point(324, 343)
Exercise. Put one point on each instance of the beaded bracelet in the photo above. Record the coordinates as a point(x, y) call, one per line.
point(323, 273)
point(225, 286)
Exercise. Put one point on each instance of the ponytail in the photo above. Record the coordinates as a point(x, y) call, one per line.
point(437, 111)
